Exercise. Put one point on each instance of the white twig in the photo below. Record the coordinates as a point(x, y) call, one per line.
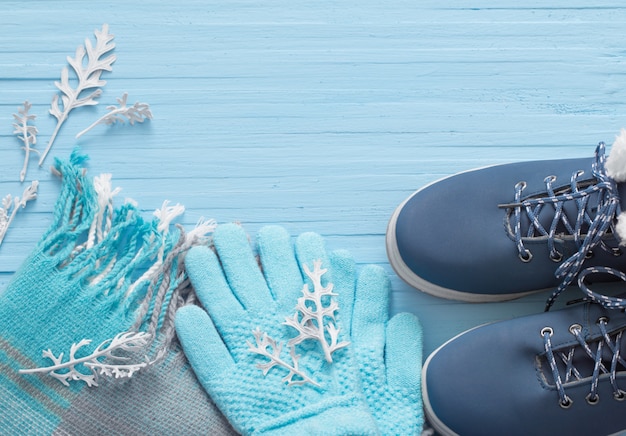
point(88, 79)
point(26, 133)
point(10, 206)
point(315, 314)
point(127, 341)
point(137, 113)
point(263, 341)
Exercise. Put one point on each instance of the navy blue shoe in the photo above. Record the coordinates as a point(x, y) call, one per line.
point(505, 231)
point(556, 373)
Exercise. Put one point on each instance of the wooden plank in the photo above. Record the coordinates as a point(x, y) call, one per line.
point(317, 116)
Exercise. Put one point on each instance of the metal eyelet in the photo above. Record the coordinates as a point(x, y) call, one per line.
point(589, 255)
point(546, 330)
point(566, 403)
point(526, 257)
point(620, 395)
point(616, 251)
point(557, 257)
point(603, 320)
point(592, 399)
point(575, 329)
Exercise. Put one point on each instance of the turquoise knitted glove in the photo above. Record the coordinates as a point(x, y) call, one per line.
point(240, 354)
point(389, 351)
point(389, 355)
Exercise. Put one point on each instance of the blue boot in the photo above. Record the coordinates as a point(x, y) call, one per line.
point(505, 231)
point(555, 373)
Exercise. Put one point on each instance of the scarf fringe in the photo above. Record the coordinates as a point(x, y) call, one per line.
point(120, 255)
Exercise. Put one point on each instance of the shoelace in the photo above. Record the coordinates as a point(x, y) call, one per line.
point(599, 368)
point(607, 209)
point(614, 345)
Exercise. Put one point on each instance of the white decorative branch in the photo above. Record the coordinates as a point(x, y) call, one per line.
point(315, 314)
point(10, 206)
point(139, 112)
point(110, 366)
point(26, 133)
point(263, 342)
point(88, 77)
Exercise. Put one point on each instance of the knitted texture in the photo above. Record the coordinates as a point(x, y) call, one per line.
point(252, 390)
point(98, 271)
point(389, 352)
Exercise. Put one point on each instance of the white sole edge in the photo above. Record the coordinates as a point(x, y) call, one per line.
point(430, 415)
point(406, 274)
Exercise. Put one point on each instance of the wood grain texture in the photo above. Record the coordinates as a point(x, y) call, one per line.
point(318, 116)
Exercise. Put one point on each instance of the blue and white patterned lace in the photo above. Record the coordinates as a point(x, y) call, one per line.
point(608, 208)
point(611, 340)
point(604, 300)
point(571, 373)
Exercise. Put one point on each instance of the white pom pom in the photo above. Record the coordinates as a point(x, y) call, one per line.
point(620, 228)
point(616, 162)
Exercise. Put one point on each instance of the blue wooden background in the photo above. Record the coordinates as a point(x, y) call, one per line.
point(318, 116)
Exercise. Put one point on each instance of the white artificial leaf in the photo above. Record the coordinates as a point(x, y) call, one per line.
point(313, 311)
point(137, 113)
point(88, 77)
point(263, 342)
point(102, 361)
point(26, 133)
point(11, 205)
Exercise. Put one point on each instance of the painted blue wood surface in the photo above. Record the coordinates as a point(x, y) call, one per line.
point(318, 116)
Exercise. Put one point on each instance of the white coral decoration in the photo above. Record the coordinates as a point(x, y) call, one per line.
point(103, 360)
point(26, 133)
point(88, 72)
point(10, 205)
point(315, 314)
point(137, 113)
point(263, 342)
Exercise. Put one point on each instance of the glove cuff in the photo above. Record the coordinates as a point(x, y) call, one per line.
point(348, 415)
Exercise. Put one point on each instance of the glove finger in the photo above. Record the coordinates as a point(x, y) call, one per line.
point(371, 312)
point(344, 271)
point(241, 267)
point(202, 345)
point(310, 248)
point(280, 266)
point(207, 278)
point(404, 351)
point(311, 254)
